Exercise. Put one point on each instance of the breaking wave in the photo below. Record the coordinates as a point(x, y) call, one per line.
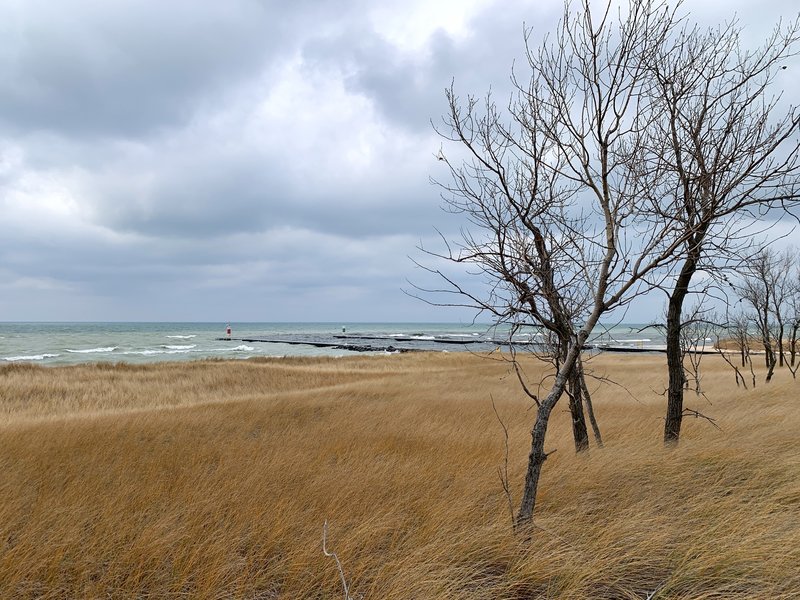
point(242, 348)
point(30, 357)
point(162, 350)
point(92, 350)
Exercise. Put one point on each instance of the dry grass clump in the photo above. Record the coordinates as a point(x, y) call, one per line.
point(213, 480)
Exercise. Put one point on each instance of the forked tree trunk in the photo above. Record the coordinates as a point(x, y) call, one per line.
point(580, 435)
point(537, 455)
point(587, 399)
point(575, 394)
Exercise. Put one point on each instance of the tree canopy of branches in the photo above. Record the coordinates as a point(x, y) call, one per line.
point(584, 191)
point(552, 188)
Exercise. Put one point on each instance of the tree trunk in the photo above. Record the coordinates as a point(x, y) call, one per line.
point(537, 454)
point(587, 399)
point(743, 350)
point(766, 341)
point(674, 418)
point(579, 433)
point(771, 361)
point(575, 394)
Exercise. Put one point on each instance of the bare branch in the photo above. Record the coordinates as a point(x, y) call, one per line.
point(502, 471)
point(698, 415)
point(333, 555)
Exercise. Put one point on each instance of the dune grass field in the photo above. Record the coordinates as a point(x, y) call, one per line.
point(213, 480)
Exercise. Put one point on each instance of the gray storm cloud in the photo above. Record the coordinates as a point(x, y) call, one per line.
point(264, 159)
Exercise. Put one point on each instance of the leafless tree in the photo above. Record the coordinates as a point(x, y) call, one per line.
point(721, 155)
point(736, 330)
point(638, 149)
point(739, 328)
point(552, 187)
point(766, 287)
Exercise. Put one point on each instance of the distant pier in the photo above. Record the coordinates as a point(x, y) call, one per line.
point(317, 344)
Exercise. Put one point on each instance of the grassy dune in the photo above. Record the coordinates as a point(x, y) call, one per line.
point(213, 480)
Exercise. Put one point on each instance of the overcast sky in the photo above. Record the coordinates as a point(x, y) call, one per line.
point(241, 160)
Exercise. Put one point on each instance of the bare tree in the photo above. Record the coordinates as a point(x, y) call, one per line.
point(739, 327)
point(737, 331)
point(722, 155)
point(552, 188)
point(766, 289)
point(631, 144)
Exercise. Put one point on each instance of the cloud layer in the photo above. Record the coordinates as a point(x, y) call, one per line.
point(245, 160)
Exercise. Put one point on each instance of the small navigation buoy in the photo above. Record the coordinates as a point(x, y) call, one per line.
point(228, 330)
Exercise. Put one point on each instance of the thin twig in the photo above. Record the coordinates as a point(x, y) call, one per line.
point(503, 471)
point(698, 415)
point(336, 558)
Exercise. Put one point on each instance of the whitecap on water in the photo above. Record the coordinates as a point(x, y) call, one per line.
point(92, 350)
point(164, 350)
point(31, 357)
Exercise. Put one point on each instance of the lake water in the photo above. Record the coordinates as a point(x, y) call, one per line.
point(73, 343)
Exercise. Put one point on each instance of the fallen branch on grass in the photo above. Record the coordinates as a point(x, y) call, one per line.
point(325, 551)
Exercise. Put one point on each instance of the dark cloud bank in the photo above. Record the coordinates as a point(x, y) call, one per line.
point(243, 160)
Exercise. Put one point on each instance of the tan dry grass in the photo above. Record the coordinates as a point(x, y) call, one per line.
point(213, 479)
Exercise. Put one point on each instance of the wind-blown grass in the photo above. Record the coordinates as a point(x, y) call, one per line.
point(213, 480)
